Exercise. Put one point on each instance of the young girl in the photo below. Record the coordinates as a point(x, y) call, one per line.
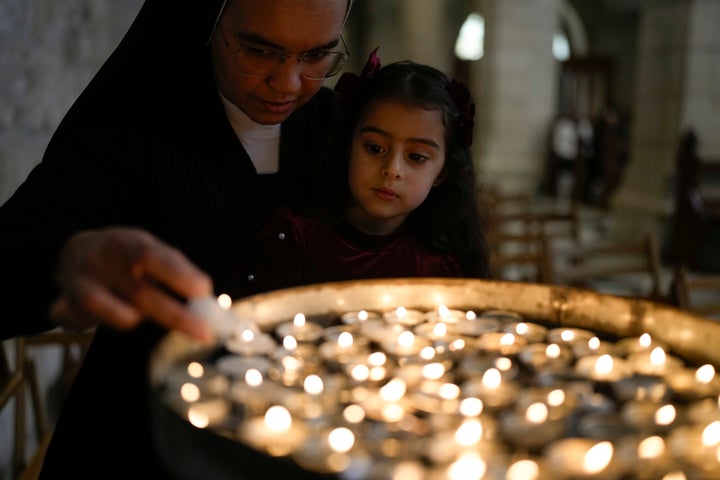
point(398, 190)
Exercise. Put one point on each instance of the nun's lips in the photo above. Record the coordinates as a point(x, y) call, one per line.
point(278, 107)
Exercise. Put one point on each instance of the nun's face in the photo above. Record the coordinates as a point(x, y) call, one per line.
point(254, 36)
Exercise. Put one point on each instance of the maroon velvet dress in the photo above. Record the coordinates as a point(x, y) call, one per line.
point(297, 250)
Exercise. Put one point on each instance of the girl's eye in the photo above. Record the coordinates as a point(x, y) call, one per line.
point(373, 149)
point(417, 157)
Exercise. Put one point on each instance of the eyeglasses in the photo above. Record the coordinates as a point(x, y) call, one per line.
point(258, 60)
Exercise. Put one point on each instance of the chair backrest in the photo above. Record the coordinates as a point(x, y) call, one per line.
point(696, 291)
point(631, 268)
point(524, 257)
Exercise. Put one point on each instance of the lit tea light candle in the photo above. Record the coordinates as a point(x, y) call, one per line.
point(594, 346)
point(351, 318)
point(300, 328)
point(531, 332)
point(531, 427)
point(405, 343)
point(694, 384)
point(698, 445)
point(446, 315)
point(604, 368)
point(539, 356)
point(649, 417)
point(236, 366)
point(276, 432)
point(491, 389)
point(472, 367)
point(327, 451)
point(604, 426)
point(641, 387)
point(208, 411)
point(341, 346)
point(654, 362)
point(560, 403)
point(643, 343)
point(404, 316)
point(647, 457)
point(501, 342)
point(476, 326)
point(581, 458)
point(569, 336)
point(247, 341)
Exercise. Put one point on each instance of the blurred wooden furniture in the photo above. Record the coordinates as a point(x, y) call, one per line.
point(521, 257)
point(697, 208)
point(631, 269)
point(20, 377)
point(697, 292)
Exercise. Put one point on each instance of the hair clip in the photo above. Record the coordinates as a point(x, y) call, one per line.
point(461, 96)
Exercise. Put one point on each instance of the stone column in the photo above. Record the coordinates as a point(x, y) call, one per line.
point(678, 86)
point(515, 84)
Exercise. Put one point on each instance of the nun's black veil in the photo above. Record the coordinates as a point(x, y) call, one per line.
point(151, 63)
point(149, 85)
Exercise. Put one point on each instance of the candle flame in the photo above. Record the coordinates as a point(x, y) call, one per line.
point(470, 315)
point(354, 413)
point(362, 315)
point(645, 340)
point(247, 335)
point(651, 447)
point(665, 415)
point(427, 353)
point(657, 357)
point(443, 311)
point(522, 328)
point(552, 350)
point(507, 340)
point(491, 378)
point(604, 364)
point(593, 343)
point(190, 392)
point(433, 371)
point(556, 397)
point(705, 374)
point(393, 390)
point(278, 419)
point(711, 434)
point(299, 320)
point(341, 439)
point(392, 412)
point(471, 407)
point(195, 369)
point(536, 412)
point(313, 385)
point(440, 329)
point(567, 335)
point(503, 364)
point(469, 432)
point(468, 467)
point(377, 359)
point(198, 418)
point(253, 377)
point(345, 340)
point(224, 301)
point(598, 457)
point(406, 338)
point(523, 470)
point(360, 372)
point(449, 391)
point(400, 312)
point(289, 342)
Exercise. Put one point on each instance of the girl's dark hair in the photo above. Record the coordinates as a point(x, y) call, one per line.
point(449, 219)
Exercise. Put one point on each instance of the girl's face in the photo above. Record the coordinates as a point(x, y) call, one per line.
point(396, 157)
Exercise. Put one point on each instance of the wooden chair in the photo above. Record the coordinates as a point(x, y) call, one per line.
point(21, 378)
point(695, 291)
point(523, 257)
point(631, 269)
